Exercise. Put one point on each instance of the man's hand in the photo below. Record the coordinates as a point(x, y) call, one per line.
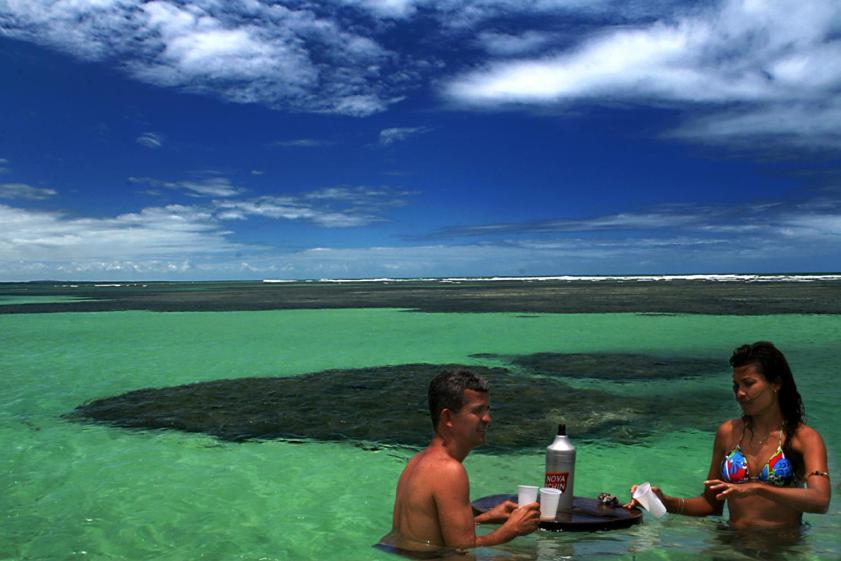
point(523, 520)
point(499, 513)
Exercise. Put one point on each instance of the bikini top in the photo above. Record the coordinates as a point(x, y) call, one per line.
point(778, 471)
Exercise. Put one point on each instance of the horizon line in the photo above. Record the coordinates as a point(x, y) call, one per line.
point(720, 277)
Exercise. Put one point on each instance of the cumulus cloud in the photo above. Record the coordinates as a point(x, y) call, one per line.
point(170, 239)
point(174, 230)
point(398, 134)
point(24, 191)
point(246, 51)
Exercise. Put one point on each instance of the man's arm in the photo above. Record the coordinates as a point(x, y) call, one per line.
point(455, 515)
point(497, 514)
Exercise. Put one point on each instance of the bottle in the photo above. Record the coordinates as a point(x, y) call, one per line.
point(560, 467)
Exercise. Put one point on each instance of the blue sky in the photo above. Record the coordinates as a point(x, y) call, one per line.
point(248, 139)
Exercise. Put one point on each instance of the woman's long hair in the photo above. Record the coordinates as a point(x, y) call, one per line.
point(771, 363)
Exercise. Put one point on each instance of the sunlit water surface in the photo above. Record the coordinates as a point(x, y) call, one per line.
point(71, 491)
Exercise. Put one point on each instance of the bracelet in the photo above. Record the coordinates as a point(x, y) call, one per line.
point(682, 505)
point(821, 473)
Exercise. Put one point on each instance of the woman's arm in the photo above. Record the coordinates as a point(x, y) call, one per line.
point(706, 504)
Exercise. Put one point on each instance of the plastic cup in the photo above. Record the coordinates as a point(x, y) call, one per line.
point(526, 494)
point(549, 498)
point(648, 500)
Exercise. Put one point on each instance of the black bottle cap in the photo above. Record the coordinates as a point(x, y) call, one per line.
point(562, 430)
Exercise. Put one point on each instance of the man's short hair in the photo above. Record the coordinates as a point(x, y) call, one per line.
point(446, 391)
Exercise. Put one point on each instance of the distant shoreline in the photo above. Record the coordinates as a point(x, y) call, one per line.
point(735, 277)
point(662, 294)
point(713, 277)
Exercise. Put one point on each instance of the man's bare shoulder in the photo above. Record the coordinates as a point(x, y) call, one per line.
point(436, 462)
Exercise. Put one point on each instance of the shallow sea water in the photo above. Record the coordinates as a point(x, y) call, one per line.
point(73, 491)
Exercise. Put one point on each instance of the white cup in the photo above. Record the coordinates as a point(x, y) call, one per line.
point(648, 500)
point(549, 498)
point(526, 494)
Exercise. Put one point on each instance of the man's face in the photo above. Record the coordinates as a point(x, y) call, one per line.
point(471, 421)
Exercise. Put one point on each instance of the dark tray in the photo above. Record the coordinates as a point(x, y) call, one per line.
point(587, 514)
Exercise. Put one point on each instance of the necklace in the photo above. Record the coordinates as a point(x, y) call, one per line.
point(762, 441)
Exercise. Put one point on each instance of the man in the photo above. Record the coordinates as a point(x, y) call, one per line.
point(432, 505)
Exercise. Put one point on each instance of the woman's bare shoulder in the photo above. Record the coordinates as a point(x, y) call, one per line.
point(805, 435)
point(730, 427)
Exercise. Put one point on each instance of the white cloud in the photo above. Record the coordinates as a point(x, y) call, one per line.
point(198, 46)
point(24, 191)
point(397, 134)
point(169, 239)
point(810, 125)
point(178, 241)
point(174, 230)
point(150, 140)
point(662, 218)
point(301, 143)
point(333, 207)
point(812, 226)
point(754, 67)
point(506, 44)
point(741, 64)
point(246, 51)
point(397, 9)
point(329, 207)
point(213, 187)
point(207, 187)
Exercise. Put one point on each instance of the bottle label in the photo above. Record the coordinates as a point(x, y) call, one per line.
point(557, 479)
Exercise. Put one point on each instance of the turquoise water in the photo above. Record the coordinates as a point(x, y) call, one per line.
point(70, 491)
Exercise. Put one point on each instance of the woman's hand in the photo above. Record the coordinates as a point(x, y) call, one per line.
point(723, 490)
point(635, 503)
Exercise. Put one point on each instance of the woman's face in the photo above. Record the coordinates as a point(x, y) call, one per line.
point(753, 392)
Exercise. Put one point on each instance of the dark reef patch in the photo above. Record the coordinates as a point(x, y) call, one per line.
point(387, 405)
point(618, 367)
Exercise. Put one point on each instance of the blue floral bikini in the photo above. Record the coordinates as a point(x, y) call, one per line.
point(777, 471)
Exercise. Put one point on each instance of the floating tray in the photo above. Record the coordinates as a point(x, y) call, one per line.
point(587, 515)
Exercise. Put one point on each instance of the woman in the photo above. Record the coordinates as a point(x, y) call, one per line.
point(768, 465)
